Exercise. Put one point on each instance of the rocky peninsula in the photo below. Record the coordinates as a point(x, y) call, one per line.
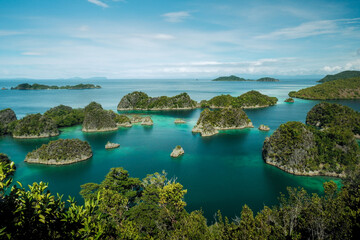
point(141, 101)
point(210, 122)
point(177, 152)
point(303, 150)
point(60, 152)
point(331, 90)
point(35, 126)
point(251, 99)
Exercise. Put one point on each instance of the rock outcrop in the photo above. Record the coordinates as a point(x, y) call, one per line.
point(35, 126)
point(7, 117)
point(123, 121)
point(110, 145)
point(141, 101)
point(289, 100)
point(228, 118)
point(264, 128)
point(179, 121)
point(177, 152)
point(147, 121)
point(60, 152)
point(98, 120)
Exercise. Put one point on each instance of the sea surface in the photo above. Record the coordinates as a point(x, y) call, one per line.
point(222, 172)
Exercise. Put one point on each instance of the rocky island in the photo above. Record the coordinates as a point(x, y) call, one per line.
point(177, 152)
point(289, 100)
point(98, 120)
point(303, 150)
point(337, 89)
point(110, 145)
point(233, 78)
point(7, 119)
point(251, 99)
point(264, 128)
point(35, 126)
point(179, 121)
point(141, 101)
point(147, 121)
point(227, 118)
point(60, 152)
point(341, 75)
point(35, 86)
point(326, 115)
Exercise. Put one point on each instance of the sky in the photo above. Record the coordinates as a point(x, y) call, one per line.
point(177, 39)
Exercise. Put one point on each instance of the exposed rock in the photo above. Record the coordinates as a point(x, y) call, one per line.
point(179, 121)
point(35, 126)
point(264, 128)
point(178, 151)
point(228, 118)
point(141, 101)
point(123, 121)
point(110, 145)
point(60, 152)
point(147, 121)
point(289, 100)
point(7, 117)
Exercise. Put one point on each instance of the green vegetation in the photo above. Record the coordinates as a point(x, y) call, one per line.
point(230, 78)
point(7, 121)
point(250, 99)
point(289, 100)
point(122, 207)
point(300, 149)
point(35, 125)
point(122, 119)
point(224, 118)
point(339, 89)
point(35, 86)
point(65, 116)
point(61, 151)
point(141, 101)
point(327, 115)
point(341, 75)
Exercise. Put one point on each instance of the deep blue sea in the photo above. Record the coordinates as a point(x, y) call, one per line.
point(222, 172)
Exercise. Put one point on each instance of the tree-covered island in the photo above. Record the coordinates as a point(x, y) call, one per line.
point(98, 119)
point(251, 99)
point(35, 126)
point(35, 86)
point(60, 152)
point(210, 122)
point(337, 89)
point(233, 78)
point(341, 75)
point(141, 101)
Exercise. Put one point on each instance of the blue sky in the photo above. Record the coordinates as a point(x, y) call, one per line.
point(177, 39)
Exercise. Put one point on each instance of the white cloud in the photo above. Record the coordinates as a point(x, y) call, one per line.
point(9, 33)
point(332, 69)
point(176, 16)
point(99, 3)
point(84, 28)
point(31, 53)
point(162, 36)
point(313, 28)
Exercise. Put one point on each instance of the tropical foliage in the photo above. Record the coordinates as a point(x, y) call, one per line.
point(65, 116)
point(341, 75)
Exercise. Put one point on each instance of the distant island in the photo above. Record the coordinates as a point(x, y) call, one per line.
point(228, 118)
point(141, 101)
point(337, 89)
point(341, 75)
point(35, 86)
point(233, 78)
point(251, 99)
point(60, 152)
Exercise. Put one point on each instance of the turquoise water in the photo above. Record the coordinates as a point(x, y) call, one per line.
point(220, 172)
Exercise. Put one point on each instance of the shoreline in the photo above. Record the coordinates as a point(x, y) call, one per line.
point(55, 162)
point(35, 136)
point(99, 130)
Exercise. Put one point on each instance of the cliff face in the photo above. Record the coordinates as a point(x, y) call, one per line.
point(141, 101)
point(60, 152)
point(35, 126)
point(303, 150)
point(7, 116)
point(99, 120)
point(325, 115)
point(228, 118)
